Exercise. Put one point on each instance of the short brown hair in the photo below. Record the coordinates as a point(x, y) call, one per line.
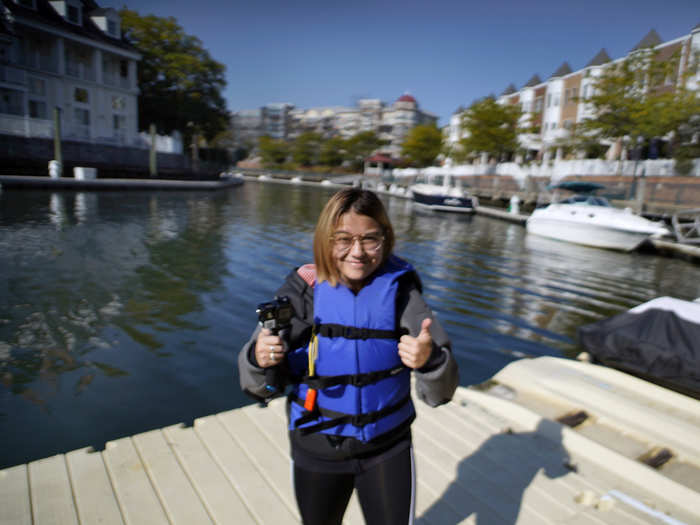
point(362, 202)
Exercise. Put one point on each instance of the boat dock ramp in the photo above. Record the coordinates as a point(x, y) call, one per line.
point(494, 455)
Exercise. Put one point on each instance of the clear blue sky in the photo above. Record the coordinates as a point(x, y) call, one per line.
point(446, 53)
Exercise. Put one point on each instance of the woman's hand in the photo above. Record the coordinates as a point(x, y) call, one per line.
point(415, 351)
point(269, 349)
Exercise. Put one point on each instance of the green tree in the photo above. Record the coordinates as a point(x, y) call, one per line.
point(274, 152)
point(638, 99)
point(332, 151)
point(491, 128)
point(422, 145)
point(360, 146)
point(180, 83)
point(305, 149)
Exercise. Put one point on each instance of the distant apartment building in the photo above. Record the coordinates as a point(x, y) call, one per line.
point(70, 55)
point(284, 121)
point(552, 107)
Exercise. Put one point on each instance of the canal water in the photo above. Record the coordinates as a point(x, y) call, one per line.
point(124, 312)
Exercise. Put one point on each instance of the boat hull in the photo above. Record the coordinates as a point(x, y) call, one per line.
point(446, 203)
point(598, 226)
point(598, 236)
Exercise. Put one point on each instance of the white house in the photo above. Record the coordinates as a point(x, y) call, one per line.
point(70, 55)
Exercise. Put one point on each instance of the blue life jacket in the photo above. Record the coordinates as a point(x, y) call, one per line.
point(363, 387)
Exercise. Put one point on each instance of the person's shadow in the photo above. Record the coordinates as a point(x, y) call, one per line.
point(490, 483)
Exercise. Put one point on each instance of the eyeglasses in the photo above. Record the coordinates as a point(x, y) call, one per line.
point(369, 243)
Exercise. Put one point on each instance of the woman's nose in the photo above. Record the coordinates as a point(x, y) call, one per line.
point(356, 247)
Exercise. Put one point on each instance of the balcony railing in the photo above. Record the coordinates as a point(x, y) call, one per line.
point(12, 75)
point(25, 126)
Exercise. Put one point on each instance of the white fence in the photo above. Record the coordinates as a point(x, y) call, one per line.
point(557, 170)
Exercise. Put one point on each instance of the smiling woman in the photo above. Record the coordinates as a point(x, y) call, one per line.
point(362, 326)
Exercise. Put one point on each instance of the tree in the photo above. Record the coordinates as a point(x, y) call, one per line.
point(422, 145)
point(332, 151)
point(638, 99)
point(305, 149)
point(180, 83)
point(274, 152)
point(492, 128)
point(360, 146)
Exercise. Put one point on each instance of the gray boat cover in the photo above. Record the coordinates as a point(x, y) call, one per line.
point(658, 341)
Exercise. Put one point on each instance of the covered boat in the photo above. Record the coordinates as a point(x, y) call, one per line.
point(658, 340)
point(590, 220)
point(443, 193)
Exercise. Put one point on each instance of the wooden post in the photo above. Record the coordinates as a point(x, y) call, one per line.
point(57, 152)
point(153, 157)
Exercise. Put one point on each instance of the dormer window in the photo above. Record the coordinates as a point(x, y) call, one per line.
point(107, 20)
point(69, 9)
point(30, 4)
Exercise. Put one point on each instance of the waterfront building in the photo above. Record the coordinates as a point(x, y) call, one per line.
point(70, 55)
point(553, 106)
point(284, 121)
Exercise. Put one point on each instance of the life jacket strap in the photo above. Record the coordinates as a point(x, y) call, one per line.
point(321, 382)
point(352, 332)
point(339, 418)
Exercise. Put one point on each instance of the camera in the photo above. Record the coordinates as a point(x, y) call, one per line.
point(275, 315)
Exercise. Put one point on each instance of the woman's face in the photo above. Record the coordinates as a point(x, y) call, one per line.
point(355, 249)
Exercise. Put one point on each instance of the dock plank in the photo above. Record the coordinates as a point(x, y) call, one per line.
point(269, 460)
point(50, 492)
point(176, 493)
point(92, 489)
point(15, 506)
point(262, 501)
point(137, 498)
point(222, 502)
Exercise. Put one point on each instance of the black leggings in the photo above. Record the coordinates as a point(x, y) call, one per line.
point(386, 492)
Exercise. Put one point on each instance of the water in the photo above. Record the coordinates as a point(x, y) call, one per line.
point(124, 312)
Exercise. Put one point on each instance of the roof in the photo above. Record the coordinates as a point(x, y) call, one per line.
point(45, 14)
point(533, 81)
point(378, 157)
point(651, 39)
point(601, 58)
point(406, 98)
point(509, 90)
point(562, 70)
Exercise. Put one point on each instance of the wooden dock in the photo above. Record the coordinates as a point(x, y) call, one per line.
point(70, 183)
point(481, 459)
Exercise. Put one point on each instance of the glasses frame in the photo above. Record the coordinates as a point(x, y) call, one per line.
point(357, 238)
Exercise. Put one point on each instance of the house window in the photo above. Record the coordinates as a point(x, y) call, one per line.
point(124, 68)
point(37, 86)
point(119, 123)
point(574, 94)
point(81, 95)
point(549, 100)
point(37, 109)
point(556, 100)
point(566, 96)
point(112, 27)
point(26, 3)
point(73, 14)
point(82, 116)
point(118, 103)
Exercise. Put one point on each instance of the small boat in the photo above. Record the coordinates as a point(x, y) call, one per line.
point(443, 193)
point(658, 341)
point(590, 220)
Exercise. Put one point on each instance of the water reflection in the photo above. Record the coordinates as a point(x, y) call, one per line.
point(121, 312)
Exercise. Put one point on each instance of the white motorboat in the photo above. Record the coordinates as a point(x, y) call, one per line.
point(590, 220)
point(443, 193)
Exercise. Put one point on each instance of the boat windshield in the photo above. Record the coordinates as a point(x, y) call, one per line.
point(587, 200)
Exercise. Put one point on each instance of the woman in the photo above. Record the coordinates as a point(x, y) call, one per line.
point(361, 326)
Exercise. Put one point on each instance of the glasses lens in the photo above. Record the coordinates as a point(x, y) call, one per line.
point(369, 243)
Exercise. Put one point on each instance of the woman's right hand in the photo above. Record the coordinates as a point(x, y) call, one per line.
point(269, 349)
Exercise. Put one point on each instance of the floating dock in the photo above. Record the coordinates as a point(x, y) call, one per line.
point(495, 455)
point(69, 183)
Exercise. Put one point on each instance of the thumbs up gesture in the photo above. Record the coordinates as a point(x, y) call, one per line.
point(415, 351)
